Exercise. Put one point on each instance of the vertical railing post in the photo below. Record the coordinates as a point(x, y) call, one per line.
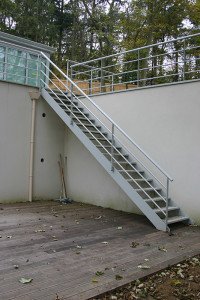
point(5, 64)
point(68, 65)
point(26, 69)
point(102, 82)
point(112, 147)
point(38, 75)
point(138, 69)
point(184, 60)
point(112, 83)
point(167, 203)
point(71, 104)
point(101, 75)
point(90, 82)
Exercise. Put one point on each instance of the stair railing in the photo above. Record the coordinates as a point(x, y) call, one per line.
point(114, 126)
point(167, 62)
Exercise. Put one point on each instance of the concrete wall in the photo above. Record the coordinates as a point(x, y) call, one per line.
point(88, 182)
point(15, 122)
point(165, 122)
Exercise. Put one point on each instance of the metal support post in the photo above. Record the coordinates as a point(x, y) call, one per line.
point(112, 83)
point(184, 60)
point(112, 147)
point(90, 83)
point(71, 104)
point(102, 79)
point(138, 70)
point(167, 204)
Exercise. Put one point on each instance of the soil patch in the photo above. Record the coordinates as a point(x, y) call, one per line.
point(178, 282)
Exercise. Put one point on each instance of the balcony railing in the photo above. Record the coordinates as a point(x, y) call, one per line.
point(171, 61)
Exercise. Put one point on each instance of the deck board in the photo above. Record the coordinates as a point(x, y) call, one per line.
point(55, 266)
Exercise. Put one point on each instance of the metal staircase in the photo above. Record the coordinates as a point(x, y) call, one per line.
point(108, 144)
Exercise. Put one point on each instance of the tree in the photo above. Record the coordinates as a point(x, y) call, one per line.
point(7, 8)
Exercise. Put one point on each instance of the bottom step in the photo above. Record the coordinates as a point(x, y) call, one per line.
point(177, 219)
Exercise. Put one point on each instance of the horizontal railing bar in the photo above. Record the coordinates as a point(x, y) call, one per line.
point(141, 59)
point(140, 48)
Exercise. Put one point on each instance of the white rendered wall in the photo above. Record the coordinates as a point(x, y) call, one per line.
point(165, 122)
point(15, 122)
point(88, 182)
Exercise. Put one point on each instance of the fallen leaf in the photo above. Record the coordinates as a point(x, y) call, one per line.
point(118, 277)
point(94, 280)
point(16, 267)
point(99, 273)
point(175, 282)
point(161, 248)
point(134, 244)
point(25, 280)
point(97, 218)
point(179, 272)
point(143, 267)
point(39, 230)
point(112, 297)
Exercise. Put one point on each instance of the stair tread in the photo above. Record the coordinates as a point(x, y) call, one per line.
point(176, 219)
point(148, 189)
point(132, 171)
point(140, 180)
point(100, 139)
point(96, 131)
point(154, 199)
point(164, 208)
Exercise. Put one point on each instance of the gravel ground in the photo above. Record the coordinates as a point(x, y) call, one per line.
point(178, 282)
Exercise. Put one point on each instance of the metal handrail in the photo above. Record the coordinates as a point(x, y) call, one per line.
point(136, 49)
point(108, 118)
point(150, 58)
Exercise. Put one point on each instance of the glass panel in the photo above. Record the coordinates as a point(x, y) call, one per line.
point(21, 67)
point(32, 72)
point(16, 66)
point(2, 59)
point(43, 69)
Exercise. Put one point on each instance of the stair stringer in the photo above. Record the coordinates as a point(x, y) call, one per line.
point(105, 163)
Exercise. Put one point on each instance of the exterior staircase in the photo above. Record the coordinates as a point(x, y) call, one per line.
point(143, 188)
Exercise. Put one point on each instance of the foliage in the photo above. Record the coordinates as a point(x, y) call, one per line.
point(86, 29)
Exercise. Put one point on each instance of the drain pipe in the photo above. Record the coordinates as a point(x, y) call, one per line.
point(34, 97)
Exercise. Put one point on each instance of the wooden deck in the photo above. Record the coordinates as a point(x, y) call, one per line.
point(61, 247)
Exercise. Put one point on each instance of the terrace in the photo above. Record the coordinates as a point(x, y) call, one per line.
point(61, 247)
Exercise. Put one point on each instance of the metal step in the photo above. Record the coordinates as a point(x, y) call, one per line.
point(145, 180)
point(84, 119)
point(148, 189)
point(156, 199)
point(95, 132)
point(132, 172)
point(170, 208)
point(177, 219)
point(89, 125)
